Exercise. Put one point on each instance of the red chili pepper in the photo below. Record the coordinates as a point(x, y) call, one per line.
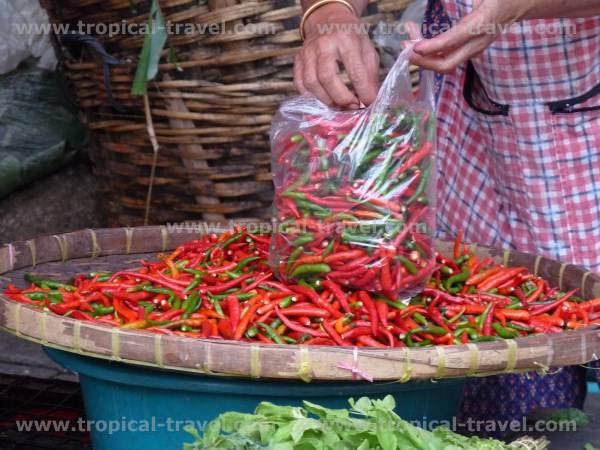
point(314, 297)
point(127, 314)
point(233, 309)
point(368, 341)
point(296, 327)
point(382, 312)
point(499, 278)
point(336, 290)
point(245, 321)
point(543, 309)
point(372, 310)
point(334, 334)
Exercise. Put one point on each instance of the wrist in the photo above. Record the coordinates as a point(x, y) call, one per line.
point(330, 13)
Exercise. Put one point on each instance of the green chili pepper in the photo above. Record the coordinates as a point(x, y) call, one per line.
point(55, 297)
point(251, 332)
point(446, 270)
point(101, 310)
point(181, 264)
point(275, 323)
point(328, 249)
point(51, 284)
point(310, 269)
point(461, 260)
point(215, 302)
point(419, 318)
point(504, 333)
point(190, 305)
point(102, 276)
point(392, 303)
point(246, 295)
point(297, 138)
point(420, 188)
point(310, 206)
point(408, 264)
point(198, 273)
point(303, 239)
point(194, 284)
point(303, 338)
point(520, 328)
point(148, 307)
point(436, 331)
point(156, 290)
point(482, 317)
point(175, 302)
point(456, 317)
point(158, 323)
point(293, 257)
point(36, 295)
point(485, 339)
point(271, 333)
point(286, 302)
point(515, 305)
point(244, 262)
point(139, 287)
point(234, 238)
point(289, 340)
point(458, 278)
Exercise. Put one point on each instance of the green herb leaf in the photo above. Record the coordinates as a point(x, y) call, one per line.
point(154, 43)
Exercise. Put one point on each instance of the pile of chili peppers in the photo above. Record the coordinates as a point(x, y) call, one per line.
point(360, 181)
point(220, 287)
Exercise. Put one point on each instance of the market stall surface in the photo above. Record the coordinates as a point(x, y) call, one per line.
point(34, 388)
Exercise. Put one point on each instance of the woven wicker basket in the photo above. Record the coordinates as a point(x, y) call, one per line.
point(113, 249)
point(211, 109)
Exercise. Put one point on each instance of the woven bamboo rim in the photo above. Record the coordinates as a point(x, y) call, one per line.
point(53, 254)
point(197, 146)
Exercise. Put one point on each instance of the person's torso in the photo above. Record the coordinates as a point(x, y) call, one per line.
point(537, 60)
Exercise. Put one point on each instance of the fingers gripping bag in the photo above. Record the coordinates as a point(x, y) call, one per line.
point(354, 190)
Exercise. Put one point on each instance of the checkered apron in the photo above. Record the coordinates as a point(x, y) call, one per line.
point(519, 141)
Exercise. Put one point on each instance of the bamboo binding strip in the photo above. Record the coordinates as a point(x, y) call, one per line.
point(69, 253)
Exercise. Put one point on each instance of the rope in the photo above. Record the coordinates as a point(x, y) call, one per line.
point(31, 245)
point(158, 359)
point(154, 142)
point(164, 238)
point(63, 246)
point(95, 247)
point(474, 359)
point(511, 356)
point(441, 351)
point(255, 361)
point(128, 240)
point(407, 368)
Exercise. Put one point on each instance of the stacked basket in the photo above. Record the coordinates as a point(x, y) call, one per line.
point(210, 105)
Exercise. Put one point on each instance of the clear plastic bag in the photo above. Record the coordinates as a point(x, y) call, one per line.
point(355, 190)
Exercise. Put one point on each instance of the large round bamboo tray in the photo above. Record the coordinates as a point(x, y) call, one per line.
point(210, 109)
point(111, 249)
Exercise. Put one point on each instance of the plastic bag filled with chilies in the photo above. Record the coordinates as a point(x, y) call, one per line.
point(355, 190)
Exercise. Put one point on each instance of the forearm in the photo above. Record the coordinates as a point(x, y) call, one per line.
point(552, 9)
point(359, 5)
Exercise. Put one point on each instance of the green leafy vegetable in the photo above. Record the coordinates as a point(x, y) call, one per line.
point(369, 424)
point(574, 415)
point(154, 43)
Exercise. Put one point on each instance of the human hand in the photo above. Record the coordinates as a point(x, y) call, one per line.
point(471, 36)
point(334, 35)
